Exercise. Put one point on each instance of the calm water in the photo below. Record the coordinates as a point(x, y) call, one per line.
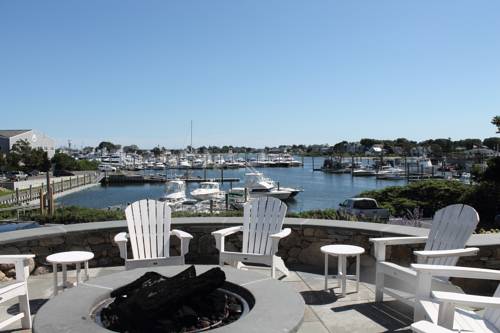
point(321, 190)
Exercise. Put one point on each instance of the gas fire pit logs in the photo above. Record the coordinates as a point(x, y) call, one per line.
point(182, 303)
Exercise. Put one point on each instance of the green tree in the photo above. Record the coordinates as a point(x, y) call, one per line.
point(405, 144)
point(23, 157)
point(492, 143)
point(496, 121)
point(468, 143)
point(340, 147)
point(130, 149)
point(368, 142)
point(156, 151)
point(492, 173)
point(3, 162)
point(109, 146)
point(64, 162)
point(437, 150)
point(38, 160)
point(88, 150)
point(20, 153)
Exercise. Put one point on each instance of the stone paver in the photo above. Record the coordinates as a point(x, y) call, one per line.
point(325, 311)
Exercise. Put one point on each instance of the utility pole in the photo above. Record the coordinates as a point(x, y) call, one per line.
point(191, 137)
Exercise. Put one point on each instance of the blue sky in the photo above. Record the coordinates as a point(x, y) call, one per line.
point(256, 72)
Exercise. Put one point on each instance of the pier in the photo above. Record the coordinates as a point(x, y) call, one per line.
point(30, 193)
point(145, 179)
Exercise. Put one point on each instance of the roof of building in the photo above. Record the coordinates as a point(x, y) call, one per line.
point(11, 133)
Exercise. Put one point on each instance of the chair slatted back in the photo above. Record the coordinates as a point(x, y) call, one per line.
point(451, 228)
point(149, 228)
point(262, 217)
point(492, 315)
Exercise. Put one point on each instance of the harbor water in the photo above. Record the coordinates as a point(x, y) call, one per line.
point(321, 190)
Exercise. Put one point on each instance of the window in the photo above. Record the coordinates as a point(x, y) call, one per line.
point(365, 204)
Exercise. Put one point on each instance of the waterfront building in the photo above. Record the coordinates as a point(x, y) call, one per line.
point(36, 139)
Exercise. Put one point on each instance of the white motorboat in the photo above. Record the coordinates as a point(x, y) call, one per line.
point(257, 186)
point(390, 173)
point(207, 191)
point(199, 163)
point(364, 172)
point(175, 192)
point(183, 164)
point(159, 166)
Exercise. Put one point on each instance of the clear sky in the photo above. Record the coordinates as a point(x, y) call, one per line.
point(249, 72)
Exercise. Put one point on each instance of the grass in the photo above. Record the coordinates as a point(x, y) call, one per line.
point(4, 191)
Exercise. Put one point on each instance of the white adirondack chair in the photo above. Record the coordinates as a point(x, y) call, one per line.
point(262, 222)
point(149, 234)
point(17, 288)
point(443, 310)
point(450, 230)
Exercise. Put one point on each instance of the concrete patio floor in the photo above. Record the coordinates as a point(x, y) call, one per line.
point(325, 311)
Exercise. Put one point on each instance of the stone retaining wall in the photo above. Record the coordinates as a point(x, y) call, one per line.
point(300, 248)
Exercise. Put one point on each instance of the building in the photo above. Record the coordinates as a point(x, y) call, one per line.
point(375, 150)
point(36, 139)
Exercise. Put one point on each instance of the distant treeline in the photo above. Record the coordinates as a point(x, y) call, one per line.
point(437, 146)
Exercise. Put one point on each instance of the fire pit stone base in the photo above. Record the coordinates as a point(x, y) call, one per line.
point(277, 307)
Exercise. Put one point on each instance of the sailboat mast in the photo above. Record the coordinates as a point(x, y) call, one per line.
point(191, 136)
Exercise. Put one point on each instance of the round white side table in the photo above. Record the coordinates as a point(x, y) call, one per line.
point(342, 252)
point(69, 258)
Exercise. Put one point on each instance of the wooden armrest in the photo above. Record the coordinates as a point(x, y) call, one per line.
point(467, 300)
point(227, 231)
point(185, 239)
point(282, 234)
point(399, 240)
point(428, 327)
point(13, 258)
point(220, 234)
point(121, 237)
point(471, 251)
point(181, 234)
point(457, 271)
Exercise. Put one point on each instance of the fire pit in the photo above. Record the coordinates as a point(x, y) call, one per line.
point(247, 302)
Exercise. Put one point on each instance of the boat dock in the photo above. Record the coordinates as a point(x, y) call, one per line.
point(145, 179)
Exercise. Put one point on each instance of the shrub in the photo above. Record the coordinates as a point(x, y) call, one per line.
point(429, 195)
point(74, 214)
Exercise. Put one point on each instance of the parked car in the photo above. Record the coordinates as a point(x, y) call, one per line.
point(363, 208)
point(106, 167)
point(33, 173)
point(17, 175)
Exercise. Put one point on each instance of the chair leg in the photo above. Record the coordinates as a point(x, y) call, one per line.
point(24, 307)
point(379, 285)
point(280, 265)
point(273, 267)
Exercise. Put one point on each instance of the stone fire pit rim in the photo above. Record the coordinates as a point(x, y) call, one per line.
point(277, 308)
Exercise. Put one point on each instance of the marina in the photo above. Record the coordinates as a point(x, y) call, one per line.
point(320, 190)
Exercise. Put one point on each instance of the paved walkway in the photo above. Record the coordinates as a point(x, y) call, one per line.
point(325, 311)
